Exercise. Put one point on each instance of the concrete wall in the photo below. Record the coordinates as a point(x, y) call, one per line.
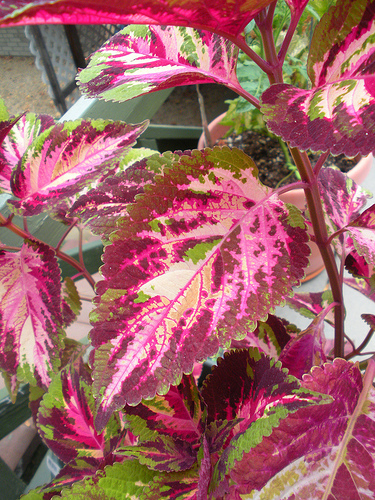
point(13, 42)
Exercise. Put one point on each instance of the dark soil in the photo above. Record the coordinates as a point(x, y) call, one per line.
point(270, 160)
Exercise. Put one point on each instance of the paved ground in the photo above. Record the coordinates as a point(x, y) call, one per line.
point(22, 87)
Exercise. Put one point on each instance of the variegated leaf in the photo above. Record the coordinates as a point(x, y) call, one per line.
point(23, 133)
point(362, 232)
point(342, 198)
point(337, 113)
point(141, 59)
point(320, 452)
point(187, 272)
point(254, 388)
point(126, 480)
point(31, 316)
point(71, 352)
point(248, 385)
point(101, 207)
point(79, 470)
point(270, 337)
point(369, 319)
point(65, 418)
point(310, 304)
point(71, 302)
point(306, 350)
point(169, 428)
point(217, 15)
point(182, 485)
point(67, 158)
point(367, 287)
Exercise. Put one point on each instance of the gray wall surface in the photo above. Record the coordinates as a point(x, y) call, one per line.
point(13, 42)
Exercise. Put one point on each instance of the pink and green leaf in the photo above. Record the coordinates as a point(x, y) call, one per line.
point(65, 159)
point(6, 122)
point(169, 428)
point(125, 480)
point(71, 302)
point(65, 418)
point(31, 315)
point(311, 453)
point(337, 113)
point(224, 17)
point(362, 232)
point(26, 129)
point(342, 198)
point(357, 265)
point(177, 414)
point(181, 485)
point(310, 304)
point(102, 206)
point(270, 337)
point(247, 385)
point(210, 229)
point(254, 388)
point(306, 350)
point(141, 59)
point(364, 286)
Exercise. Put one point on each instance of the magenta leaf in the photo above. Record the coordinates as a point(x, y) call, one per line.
point(66, 158)
point(310, 304)
point(65, 418)
point(31, 313)
point(175, 288)
point(270, 337)
point(181, 485)
point(321, 450)
point(337, 113)
point(6, 122)
point(224, 16)
point(369, 319)
point(26, 129)
point(253, 388)
point(169, 428)
point(362, 232)
point(356, 264)
point(246, 384)
point(306, 350)
point(367, 287)
point(342, 198)
point(101, 207)
point(142, 59)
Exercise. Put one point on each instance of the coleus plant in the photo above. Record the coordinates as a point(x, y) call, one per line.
point(198, 253)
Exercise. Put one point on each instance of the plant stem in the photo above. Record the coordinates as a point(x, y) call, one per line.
point(288, 37)
point(321, 239)
point(319, 164)
point(74, 223)
point(202, 109)
point(264, 23)
point(360, 348)
point(242, 45)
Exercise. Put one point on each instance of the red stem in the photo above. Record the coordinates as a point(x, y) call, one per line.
point(264, 23)
point(321, 239)
point(311, 188)
point(289, 35)
point(61, 255)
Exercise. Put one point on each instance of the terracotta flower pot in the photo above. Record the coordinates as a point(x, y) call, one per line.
point(358, 173)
